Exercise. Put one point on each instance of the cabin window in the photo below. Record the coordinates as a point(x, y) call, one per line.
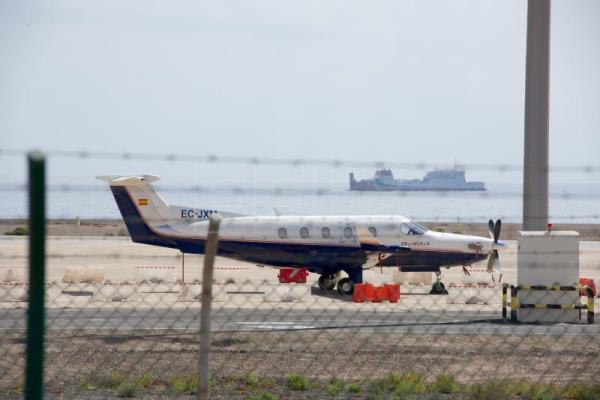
point(348, 232)
point(373, 230)
point(282, 232)
point(304, 232)
point(326, 233)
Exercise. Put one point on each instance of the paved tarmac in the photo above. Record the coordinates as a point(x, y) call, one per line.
point(91, 321)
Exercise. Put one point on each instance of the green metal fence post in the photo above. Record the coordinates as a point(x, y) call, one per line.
point(34, 369)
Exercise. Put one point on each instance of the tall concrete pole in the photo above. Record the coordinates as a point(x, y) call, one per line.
point(535, 170)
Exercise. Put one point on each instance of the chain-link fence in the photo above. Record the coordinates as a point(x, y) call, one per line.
point(123, 318)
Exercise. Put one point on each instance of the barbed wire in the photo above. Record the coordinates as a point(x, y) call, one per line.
point(294, 162)
point(303, 191)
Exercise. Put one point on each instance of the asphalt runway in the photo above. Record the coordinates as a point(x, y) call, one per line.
point(264, 320)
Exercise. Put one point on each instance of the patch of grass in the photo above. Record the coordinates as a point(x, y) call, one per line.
point(128, 389)
point(86, 383)
point(112, 380)
point(491, 390)
point(160, 389)
point(17, 388)
point(18, 231)
point(267, 383)
point(376, 387)
point(146, 380)
point(295, 381)
point(579, 391)
point(354, 388)
point(445, 384)
point(102, 381)
point(250, 379)
point(375, 396)
point(334, 387)
point(523, 389)
point(185, 384)
point(408, 383)
point(527, 390)
point(262, 396)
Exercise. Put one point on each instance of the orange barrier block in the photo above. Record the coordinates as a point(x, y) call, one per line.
point(393, 292)
point(381, 294)
point(588, 282)
point(359, 293)
point(369, 292)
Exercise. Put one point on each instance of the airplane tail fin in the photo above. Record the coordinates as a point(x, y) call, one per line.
point(142, 208)
point(148, 217)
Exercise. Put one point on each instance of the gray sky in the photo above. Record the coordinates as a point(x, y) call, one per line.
point(416, 81)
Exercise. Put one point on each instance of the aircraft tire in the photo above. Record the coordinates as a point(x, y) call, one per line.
point(438, 288)
point(325, 283)
point(345, 286)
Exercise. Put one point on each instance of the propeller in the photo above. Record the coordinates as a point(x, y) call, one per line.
point(493, 263)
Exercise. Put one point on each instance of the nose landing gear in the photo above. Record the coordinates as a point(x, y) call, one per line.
point(438, 287)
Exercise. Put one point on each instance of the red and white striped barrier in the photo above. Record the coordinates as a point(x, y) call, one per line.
point(473, 285)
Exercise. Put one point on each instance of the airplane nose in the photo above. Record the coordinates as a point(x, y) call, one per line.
point(501, 244)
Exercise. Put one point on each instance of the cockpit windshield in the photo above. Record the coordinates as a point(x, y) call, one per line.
point(412, 228)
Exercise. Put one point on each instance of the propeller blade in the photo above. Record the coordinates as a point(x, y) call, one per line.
point(493, 263)
point(491, 228)
point(490, 264)
point(496, 262)
point(497, 229)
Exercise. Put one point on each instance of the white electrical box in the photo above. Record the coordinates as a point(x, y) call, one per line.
point(548, 258)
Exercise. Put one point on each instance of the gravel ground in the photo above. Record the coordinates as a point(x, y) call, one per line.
point(354, 357)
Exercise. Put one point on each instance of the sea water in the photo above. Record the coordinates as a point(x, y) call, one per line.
point(568, 203)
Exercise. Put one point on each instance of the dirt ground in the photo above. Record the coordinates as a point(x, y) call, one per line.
point(354, 357)
point(102, 227)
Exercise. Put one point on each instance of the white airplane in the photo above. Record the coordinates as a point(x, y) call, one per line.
point(326, 245)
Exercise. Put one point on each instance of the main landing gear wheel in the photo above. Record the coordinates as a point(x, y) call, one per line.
point(345, 286)
point(326, 283)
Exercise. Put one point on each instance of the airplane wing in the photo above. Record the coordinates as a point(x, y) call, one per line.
point(375, 249)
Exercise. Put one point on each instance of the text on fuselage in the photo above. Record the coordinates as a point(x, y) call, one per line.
point(197, 214)
point(415, 244)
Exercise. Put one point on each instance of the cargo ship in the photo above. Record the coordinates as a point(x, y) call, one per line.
point(437, 180)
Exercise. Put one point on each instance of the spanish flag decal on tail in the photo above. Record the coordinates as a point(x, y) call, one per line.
point(142, 202)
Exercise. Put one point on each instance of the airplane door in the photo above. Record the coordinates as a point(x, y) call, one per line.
point(347, 232)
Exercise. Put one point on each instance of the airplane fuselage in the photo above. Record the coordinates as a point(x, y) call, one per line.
point(323, 244)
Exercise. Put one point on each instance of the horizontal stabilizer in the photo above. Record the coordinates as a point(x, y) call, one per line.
point(122, 180)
